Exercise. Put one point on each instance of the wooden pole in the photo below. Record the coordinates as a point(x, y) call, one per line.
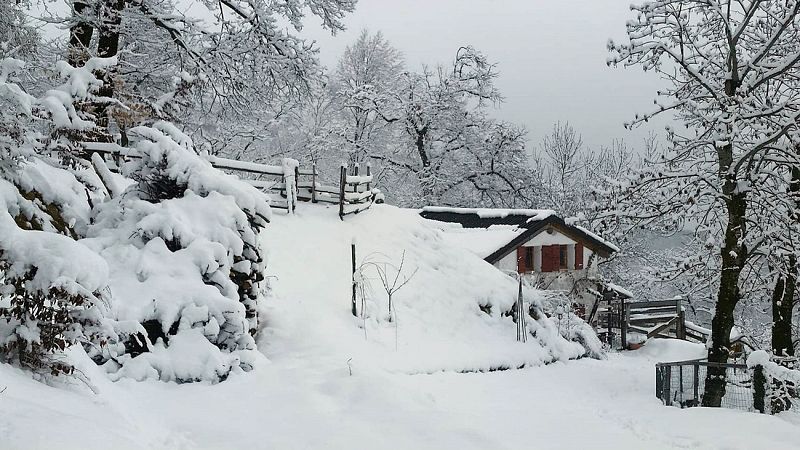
point(369, 173)
point(296, 187)
point(521, 329)
point(624, 326)
point(353, 258)
point(313, 183)
point(355, 172)
point(342, 182)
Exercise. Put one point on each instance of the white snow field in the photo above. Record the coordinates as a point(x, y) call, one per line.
point(323, 383)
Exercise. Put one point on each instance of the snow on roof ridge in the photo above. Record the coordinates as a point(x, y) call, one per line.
point(595, 236)
point(485, 213)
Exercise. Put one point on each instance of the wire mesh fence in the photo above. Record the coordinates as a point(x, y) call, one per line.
point(683, 383)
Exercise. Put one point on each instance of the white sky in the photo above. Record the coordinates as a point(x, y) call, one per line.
point(551, 55)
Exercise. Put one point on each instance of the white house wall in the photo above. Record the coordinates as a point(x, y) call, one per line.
point(509, 262)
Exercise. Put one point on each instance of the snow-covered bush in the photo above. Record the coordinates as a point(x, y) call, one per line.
point(49, 291)
point(555, 312)
point(185, 263)
point(50, 285)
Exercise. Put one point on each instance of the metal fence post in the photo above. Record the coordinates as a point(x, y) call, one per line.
point(759, 389)
point(660, 382)
point(667, 380)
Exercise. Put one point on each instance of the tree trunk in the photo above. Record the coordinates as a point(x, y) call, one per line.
point(782, 303)
point(108, 46)
point(80, 34)
point(733, 255)
point(783, 299)
point(785, 287)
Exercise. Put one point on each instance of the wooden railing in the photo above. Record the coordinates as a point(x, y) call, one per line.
point(653, 319)
point(288, 182)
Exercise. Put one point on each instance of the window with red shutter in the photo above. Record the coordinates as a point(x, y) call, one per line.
point(563, 257)
point(529, 259)
point(521, 268)
point(579, 256)
point(550, 258)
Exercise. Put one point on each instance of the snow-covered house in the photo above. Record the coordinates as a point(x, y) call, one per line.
point(537, 244)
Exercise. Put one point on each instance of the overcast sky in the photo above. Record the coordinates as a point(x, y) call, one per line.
point(551, 55)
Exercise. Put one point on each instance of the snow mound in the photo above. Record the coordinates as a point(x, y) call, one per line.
point(452, 315)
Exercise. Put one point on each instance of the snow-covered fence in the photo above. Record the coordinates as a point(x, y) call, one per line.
point(650, 319)
point(356, 193)
point(288, 182)
point(764, 384)
point(682, 384)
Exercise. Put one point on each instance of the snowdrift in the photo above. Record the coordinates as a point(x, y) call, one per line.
point(452, 315)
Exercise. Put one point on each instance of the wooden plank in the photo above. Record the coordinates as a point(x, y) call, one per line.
point(245, 166)
point(328, 189)
point(333, 201)
point(358, 209)
point(663, 327)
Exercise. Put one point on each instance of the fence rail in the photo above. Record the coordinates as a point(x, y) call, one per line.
point(288, 182)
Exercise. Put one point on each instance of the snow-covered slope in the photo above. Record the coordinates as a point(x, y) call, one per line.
point(323, 384)
point(438, 322)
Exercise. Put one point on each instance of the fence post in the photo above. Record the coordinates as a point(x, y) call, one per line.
point(369, 173)
point(696, 384)
point(624, 326)
point(680, 332)
point(342, 182)
point(353, 258)
point(295, 187)
point(313, 183)
point(667, 380)
point(759, 389)
point(660, 382)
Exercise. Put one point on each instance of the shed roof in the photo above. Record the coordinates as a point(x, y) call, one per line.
point(530, 222)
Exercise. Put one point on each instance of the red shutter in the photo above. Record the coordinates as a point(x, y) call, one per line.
point(579, 256)
point(551, 255)
point(521, 260)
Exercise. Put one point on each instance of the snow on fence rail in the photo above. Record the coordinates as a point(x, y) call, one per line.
point(288, 182)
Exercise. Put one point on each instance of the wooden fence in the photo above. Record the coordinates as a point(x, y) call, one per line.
point(288, 183)
point(652, 319)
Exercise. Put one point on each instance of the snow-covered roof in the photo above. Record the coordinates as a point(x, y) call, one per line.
point(482, 241)
point(525, 224)
point(488, 213)
point(597, 237)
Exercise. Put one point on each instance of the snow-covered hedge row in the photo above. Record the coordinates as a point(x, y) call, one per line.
point(156, 271)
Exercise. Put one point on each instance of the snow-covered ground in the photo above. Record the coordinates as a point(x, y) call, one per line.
point(328, 380)
point(292, 404)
